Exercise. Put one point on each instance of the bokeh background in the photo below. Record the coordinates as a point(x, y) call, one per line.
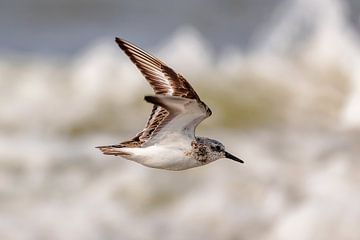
point(281, 76)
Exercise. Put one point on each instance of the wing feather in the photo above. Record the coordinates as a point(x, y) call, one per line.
point(184, 115)
point(166, 82)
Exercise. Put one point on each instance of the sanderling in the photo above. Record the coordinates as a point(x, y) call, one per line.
point(168, 140)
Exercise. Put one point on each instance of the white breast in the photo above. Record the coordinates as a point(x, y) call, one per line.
point(162, 157)
point(171, 154)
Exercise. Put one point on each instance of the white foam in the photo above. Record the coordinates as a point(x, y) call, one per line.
point(297, 185)
point(309, 51)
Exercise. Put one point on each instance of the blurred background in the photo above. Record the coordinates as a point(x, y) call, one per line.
point(282, 78)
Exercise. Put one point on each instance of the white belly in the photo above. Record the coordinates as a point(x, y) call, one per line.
point(171, 156)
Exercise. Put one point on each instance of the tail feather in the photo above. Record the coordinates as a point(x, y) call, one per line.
point(113, 150)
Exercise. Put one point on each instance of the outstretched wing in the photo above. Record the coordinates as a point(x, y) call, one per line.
point(162, 78)
point(165, 81)
point(183, 115)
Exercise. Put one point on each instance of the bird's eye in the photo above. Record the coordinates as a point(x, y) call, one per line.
point(218, 148)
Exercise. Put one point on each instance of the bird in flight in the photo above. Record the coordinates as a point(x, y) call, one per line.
point(168, 140)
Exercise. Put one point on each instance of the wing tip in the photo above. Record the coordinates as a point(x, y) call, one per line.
point(156, 100)
point(121, 42)
point(151, 99)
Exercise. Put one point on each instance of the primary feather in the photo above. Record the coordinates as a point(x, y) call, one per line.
point(165, 82)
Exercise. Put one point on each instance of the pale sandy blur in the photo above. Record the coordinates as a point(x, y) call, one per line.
point(288, 104)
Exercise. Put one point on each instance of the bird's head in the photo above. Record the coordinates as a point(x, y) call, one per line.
point(217, 150)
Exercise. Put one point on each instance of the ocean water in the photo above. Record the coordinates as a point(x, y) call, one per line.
point(288, 104)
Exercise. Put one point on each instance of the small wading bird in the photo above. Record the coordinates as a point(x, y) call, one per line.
point(168, 140)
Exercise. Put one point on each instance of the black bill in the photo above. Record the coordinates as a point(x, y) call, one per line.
point(232, 157)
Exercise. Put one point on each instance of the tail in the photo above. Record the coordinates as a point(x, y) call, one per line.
point(113, 150)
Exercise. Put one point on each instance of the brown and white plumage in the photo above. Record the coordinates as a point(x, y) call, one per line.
point(166, 82)
point(176, 112)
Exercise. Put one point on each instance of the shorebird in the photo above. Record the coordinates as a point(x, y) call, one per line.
point(168, 140)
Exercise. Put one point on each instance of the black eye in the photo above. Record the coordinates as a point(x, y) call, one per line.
point(216, 148)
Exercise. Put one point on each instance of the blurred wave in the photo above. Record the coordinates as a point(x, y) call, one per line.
point(309, 87)
point(303, 73)
point(289, 106)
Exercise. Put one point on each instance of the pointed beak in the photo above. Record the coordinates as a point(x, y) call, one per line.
point(232, 157)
